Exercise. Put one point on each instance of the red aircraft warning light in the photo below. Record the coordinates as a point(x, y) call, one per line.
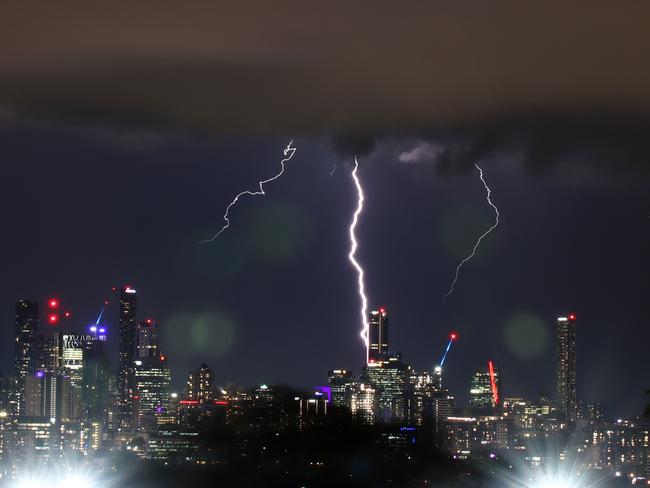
point(67, 315)
point(53, 303)
point(572, 316)
point(453, 336)
point(53, 318)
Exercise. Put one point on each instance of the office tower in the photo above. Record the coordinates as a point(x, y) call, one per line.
point(363, 403)
point(152, 398)
point(82, 358)
point(377, 335)
point(437, 377)
point(147, 339)
point(49, 395)
point(442, 407)
point(200, 384)
point(26, 328)
point(45, 353)
point(33, 404)
point(127, 352)
point(566, 370)
point(419, 399)
point(481, 388)
point(71, 351)
point(341, 386)
point(6, 387)
point(390, 380)
point(95, 380)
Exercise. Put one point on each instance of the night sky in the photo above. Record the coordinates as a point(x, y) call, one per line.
point(125, 132)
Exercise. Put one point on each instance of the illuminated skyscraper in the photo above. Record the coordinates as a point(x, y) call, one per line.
point(127, 352)
point(146, 344)
point(342, 386)
point(481, 388)
point(200, 384)
point(49, 395)
point(151, 395)
point(26, 338)
point(566, 370)
point(390, 380)
point(377, 335)
point(363, 403)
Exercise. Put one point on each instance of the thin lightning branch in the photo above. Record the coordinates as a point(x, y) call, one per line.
point(352, 256)
point(288, 153)
point(331, 173)
point(494, 226)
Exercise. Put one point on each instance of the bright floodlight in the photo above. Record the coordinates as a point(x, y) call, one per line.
point(27, 484)
point(552, 484)
point(73, 481)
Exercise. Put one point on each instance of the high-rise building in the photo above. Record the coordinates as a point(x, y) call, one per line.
point(390, 380)
point(422, 388)
point(152, 392)
point(26, 339)
point(363, 403)
point(442, 407)
point(95, 380)
point(200, 384)
point(341, 386)
point(49, 395)
point(45, 352)
point(377, 335)
point(82, 358)
point(566, 370)
point(147, 339)
point(127, 352)
point(482, 390)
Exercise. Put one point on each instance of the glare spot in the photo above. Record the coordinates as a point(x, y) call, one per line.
point(526, 335)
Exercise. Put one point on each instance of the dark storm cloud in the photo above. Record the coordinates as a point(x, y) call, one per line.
point(353, 144)
point(294, 68)
point(609, 141)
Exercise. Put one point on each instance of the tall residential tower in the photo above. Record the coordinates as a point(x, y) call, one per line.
point(377, 335)
point(127, 353)
point(25, 348)
point(566, 370)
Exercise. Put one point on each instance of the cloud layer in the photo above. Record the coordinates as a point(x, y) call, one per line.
point(465, 70)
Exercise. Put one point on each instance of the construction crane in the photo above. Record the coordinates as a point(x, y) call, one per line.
point(452, 338)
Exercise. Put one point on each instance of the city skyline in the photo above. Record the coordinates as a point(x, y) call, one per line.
point(145, 335)
point(364, 244)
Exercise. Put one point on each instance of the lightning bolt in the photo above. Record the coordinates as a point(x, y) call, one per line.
point(353, 259)
point(331, 173)
point(494, 226)
point(288, 153)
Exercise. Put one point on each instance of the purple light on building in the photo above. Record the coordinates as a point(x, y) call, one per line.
point(325, 389)
point(40, 374)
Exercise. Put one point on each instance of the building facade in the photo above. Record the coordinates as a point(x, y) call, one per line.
point(377, 335)
point(566, 370)
point(126, 356)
